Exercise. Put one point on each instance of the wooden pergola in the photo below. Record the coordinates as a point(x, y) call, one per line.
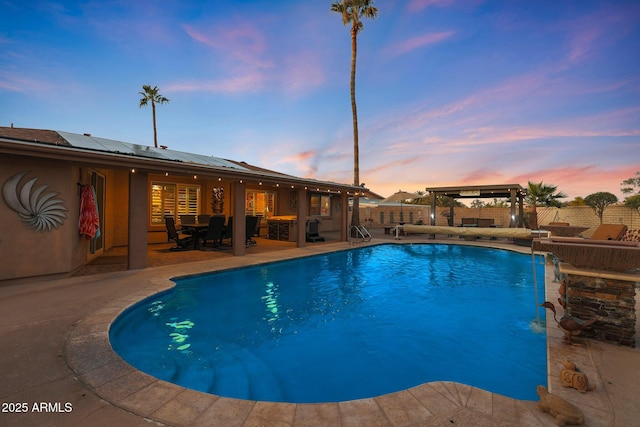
point(514, 192)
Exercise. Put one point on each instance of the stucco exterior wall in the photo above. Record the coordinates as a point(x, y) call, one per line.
point(116, 227)
point(25, 252)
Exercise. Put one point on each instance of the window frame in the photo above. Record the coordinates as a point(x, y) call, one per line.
point(187, 198)
point(322, 208)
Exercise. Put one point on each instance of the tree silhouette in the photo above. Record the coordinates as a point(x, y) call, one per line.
point(599, 202)
point(150, 94)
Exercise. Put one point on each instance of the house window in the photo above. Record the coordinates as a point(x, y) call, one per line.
point(172, 199)
point(260, 203)
point(320, 205)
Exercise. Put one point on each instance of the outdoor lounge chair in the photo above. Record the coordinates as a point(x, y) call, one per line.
point(174, 235)
point(214, 231)
point(312, 231)
point(609, 232)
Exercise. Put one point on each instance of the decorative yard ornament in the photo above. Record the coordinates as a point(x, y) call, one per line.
point(217, 200)
point(38, 210)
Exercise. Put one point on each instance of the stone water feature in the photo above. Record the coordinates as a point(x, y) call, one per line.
point(601, 278)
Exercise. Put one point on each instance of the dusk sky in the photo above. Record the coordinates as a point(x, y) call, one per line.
point(449, 92)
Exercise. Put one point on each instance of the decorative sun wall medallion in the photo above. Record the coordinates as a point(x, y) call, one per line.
point(38, 210)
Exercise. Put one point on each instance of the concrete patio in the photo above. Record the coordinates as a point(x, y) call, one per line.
point(56, 351)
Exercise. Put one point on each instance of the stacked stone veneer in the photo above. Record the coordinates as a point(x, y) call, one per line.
point(608, 298)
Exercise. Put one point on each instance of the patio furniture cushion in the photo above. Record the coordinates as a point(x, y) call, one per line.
point(609, 232)
point(632, 235)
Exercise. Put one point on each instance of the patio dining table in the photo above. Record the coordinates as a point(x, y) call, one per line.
point(196, 227)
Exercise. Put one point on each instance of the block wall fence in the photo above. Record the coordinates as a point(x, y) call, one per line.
point(378, 217)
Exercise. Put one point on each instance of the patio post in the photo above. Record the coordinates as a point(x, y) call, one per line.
point(138, 220)
point(433, 209)
point(512, 221)
point(521, 211)
point(302, 213)
point(239, 233)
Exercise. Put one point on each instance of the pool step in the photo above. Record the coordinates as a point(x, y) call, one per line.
point(231, 379)
point(264, 385)
point(197, 376)
point(244, 376)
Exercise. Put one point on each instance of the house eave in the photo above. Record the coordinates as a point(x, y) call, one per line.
point(97, 158)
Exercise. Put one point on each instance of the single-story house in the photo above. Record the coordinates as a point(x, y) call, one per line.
point(44, 173)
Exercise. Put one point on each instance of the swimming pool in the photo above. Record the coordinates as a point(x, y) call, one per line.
point(345, 325)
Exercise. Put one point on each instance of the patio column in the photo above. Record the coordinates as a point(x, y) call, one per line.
point(138, 220)
point(239, 233)
point(521, 211)
point(344, 216)
point(452, 203)
point(433, 209)
point(302, 212)
point(512, 221)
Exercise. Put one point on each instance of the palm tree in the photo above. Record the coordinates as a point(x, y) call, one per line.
point(352, 11)
point(150, 94)
point(539, 194)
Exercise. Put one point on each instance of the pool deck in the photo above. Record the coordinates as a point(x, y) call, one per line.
point(56, 350)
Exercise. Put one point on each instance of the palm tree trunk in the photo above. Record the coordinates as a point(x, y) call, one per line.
point(355, 217)
point(534, 218)
point(155, 133)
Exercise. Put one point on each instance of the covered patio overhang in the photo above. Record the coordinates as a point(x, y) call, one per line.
point(140, 167)
point(514, 192)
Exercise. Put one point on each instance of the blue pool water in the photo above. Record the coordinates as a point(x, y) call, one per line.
point(346, 325)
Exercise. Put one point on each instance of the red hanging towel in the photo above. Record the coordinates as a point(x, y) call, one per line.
point(89, 222)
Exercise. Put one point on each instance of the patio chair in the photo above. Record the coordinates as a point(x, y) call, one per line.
point(214, 231)
point(256, 232)
point(174, 235)
point(203, 218)
point(187, 219)
point(228, 230)
point(251, 226)
point(312, 231)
